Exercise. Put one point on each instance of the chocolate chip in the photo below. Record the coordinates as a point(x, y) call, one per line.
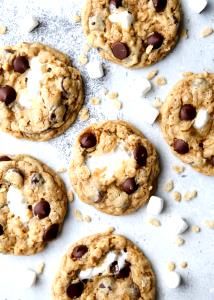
point(212, 160)
point(7, 94)
point(42, 209)
point(102, 286)
point(140, 155)
point(64, 92)
point(75, 290)
point(124, 272)
point(155, 39)
point(1, 230)
point(37, 179)
point(51, 233)
point(180, 146)
point(116, 3)
point(159, 5)
point(88, 140)
point(79, 251)
point(187, 112)
point(21, 64)
point(120, 50)
point(129, 186)
point(5, 158)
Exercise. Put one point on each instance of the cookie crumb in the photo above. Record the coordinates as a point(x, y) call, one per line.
point(40, 268)
point(87, 219)
point(161, 81)
point(209, 224)
point(178, 169)
point(169, 186)
point(117, 104)
point(195, 229)
point(78, 215)
point(3, 29)
point(82, 59)
point(152, 74)
point(179, 241)
point(183, 264)
point(206, 32)
point(157, 103)
point(171, 266)
point(112, 95)
point(155, 222)
point(95, 101)
point(177, 196)
point(84, 114)
point(76, 18)
point(190, 195)
point(62, 170)
point(184, 33)
point(70, 196)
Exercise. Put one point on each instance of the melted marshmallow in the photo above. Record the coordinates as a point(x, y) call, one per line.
point(16, 203)
point(124, 18)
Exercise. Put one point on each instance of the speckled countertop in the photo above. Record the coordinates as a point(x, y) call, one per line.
point(193, 54)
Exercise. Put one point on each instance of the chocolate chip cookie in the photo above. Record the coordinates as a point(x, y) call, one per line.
point(104, 266)
point(114, 167)
point(33, 204)
point(133, 33)
point(40, 93)
point(187, 121)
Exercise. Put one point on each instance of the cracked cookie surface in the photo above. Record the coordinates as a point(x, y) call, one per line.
point(40, 93)
point(134, 33)
point(33, 204)
point(106, 267)
point(187, 121)
point(114, 167)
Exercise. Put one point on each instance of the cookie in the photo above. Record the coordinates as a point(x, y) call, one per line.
point(187, 121)
point(114, 167)
point(33, 204)
point(133, 33)
point(104, 266)
point(40, 93)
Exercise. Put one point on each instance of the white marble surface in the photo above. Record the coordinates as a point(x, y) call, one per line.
point(193, 54)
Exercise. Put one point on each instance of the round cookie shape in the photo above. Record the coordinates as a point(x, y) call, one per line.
point(187, 121)
point(133, 33)
point(40, 93)
point(33, 204)
point(114, 167)
point(111, 268)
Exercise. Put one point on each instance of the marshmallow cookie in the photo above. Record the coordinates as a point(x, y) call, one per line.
point(114, 167)
point(187, 121)
point(40, 93)
point(104, 266)
point(133, 33)
point(33, 205)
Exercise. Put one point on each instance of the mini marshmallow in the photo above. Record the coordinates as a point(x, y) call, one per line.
point(27, 278)
point(149, 113)
point(197, 5)
point(95, 69)
point(173, 280)
point(124, 18)
point(178, 225)
point(29, 23)
point(201, 119)
point(155, 205)
point(145, 86)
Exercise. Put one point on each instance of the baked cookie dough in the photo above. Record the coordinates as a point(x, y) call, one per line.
point(40, 93)
point(133, 33)
point(187, 121)
point(105, 267)
point(114, 167)
point(33, 204)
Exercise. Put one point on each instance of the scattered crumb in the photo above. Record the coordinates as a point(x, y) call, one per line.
point(3, 29)
point(111, 229)
point(209, 223)
point(82, 59)
point(184, 33)
point(84, 114)
point(149, 49)
point(70, 196)
point(177, 196)
point(62, 170)
point(112, 95)
point(206, 32)
point(152, 74)
point(184, 265)
point(169, 186)
point(195, 229)
point(76, 18)
point(179, 241)
point(155, 222)
point(87, 219)
point(178, 169)
point(95, 101)
point(80, 217)
point(171, 266)
point(161, 81)
point(190, 195)
point(157, 103)
point(117, 104)
point(40, 268)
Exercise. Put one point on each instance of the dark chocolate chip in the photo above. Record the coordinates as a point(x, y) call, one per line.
point(79, 251)
point(187, 112)
point(159, 5)
point(120, 50)
point(88, 140)
point(42, 209)
point(124, 272)
point(212, 160)
point(64, 92)
point(116, 3)
point(5, 158)
point(102, 286)
point(140, 155)
point(37, 179)
point(21, 64)
point(51, 233)
point(7, 94)
point(155, 39)
point(180, 146)
point(129, 186)
point(75, 290)
point(1, 230)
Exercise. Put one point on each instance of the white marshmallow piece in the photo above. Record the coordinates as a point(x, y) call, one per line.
point(173, 280)
point(144, 86)
point(95, 69)
point(178, 225)
point(27, 278)
point(201, 119)
point(149, 113)
point(155, 205)
point(198, 5)
point(16, 203)
point(29, 24)
point(124, 19)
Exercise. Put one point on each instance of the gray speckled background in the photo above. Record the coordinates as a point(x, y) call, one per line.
point(195, 54)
